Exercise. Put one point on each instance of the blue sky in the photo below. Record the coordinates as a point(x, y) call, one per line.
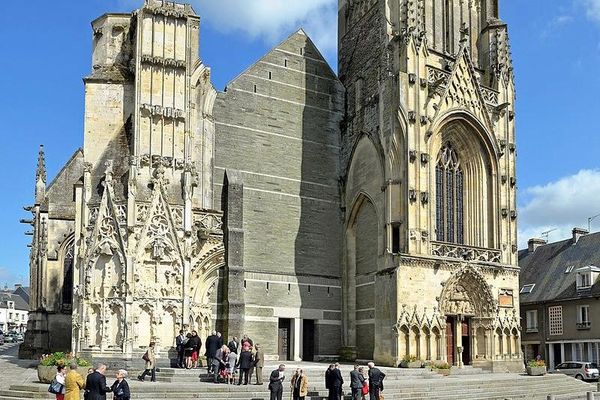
point(555, 47)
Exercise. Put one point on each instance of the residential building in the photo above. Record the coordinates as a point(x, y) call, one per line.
point(560, 299)
point(14, 309)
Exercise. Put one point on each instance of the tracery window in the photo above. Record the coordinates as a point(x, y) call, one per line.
point(449, 180)
point(67, 289)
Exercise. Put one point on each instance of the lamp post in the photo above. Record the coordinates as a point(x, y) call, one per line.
point(590, 219)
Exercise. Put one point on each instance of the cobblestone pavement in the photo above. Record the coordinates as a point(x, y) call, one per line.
point(15, 371)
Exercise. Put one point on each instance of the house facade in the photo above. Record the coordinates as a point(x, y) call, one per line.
point(560, 310)
point(14, 309)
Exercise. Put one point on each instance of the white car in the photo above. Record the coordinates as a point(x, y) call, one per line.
point(582, 370)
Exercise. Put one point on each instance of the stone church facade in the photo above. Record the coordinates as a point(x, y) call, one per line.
point(369, 214)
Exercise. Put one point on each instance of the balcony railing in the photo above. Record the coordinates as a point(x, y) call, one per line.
point(584, 325)
point(463, 252)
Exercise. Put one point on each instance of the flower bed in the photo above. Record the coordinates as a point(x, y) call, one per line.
point(47, 367)
point(536, 367)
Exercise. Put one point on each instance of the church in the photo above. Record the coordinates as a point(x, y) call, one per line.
point(367, 214)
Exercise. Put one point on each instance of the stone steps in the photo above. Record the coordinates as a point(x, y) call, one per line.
point(458, 387)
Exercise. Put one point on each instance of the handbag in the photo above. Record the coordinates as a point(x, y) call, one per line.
point(145, 357)
point(55, 387)
point(365, 389)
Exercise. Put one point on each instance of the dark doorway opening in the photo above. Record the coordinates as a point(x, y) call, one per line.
point(284, 339)
point(466, 341)
point(308, 340)
point(557, 355)
point(450, 342)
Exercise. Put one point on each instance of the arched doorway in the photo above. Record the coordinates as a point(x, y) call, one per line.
point(469, 308)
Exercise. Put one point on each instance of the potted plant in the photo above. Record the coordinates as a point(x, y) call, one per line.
point(47, 367)
point(441, 367)
point(536, 367)
point(411, 362)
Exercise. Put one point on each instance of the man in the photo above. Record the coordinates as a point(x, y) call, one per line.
point(276, 383)
point(212, 345)
point(259, 363)
point(95, 384)
point(180, 342)
point(234, 345)
point(357, 381)
point(375, 381)
point(244, 363)
point(335, 382)
point(220, 338)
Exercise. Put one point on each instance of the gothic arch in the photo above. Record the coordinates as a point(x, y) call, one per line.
point(67, 261)
point(478, 154)
point(467, 293)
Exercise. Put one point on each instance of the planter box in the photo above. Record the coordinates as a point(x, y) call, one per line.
point(536, 371)
point(444, 372)
point(47, 374)
point(412, 364)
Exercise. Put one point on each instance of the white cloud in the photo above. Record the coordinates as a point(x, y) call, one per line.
point(273, 20)
point(592, 8)
point(561, 205)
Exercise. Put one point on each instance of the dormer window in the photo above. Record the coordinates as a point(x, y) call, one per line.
point(527, 288)
point(586, 277)
point(569, 269)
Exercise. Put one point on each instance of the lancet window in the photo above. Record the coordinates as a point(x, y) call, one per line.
point(449, 181)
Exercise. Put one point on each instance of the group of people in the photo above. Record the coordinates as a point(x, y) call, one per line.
point(94, 387)
point(361, 384)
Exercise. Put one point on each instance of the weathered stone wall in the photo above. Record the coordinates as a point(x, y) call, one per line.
point(277, 125)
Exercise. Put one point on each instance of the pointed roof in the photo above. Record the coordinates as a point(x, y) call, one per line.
point(40, 173)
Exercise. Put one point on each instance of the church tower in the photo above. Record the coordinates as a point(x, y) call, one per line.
point(429, 190)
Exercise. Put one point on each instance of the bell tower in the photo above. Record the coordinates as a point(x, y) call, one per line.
point(428, 163)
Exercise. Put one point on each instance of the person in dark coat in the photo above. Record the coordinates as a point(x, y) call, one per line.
point(95, 384)
point(245, 362)
point(120, 388)
point(212, 345)
point(375, 381)
point(234, 345)
point(357, 380)
point(180, 342)
point(195, 343)
point(334, 376)
point(276, 383)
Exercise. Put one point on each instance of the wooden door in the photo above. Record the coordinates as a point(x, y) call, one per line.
point(450, 342)
point(284, 339)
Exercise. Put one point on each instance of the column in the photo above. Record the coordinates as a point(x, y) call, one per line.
point(296, 339)
point(550, 356)
point(562, 352)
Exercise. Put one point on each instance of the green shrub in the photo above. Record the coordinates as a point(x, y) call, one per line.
point(536, 363)
point(64, 359)
point(410, 359)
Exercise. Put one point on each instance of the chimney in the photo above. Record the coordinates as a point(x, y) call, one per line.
point(18, 285)
point(534, 243)
point(577, 233)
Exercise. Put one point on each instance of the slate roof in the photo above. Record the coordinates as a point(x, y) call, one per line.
point(20, 303)
point(546, 267)
point(23, 291)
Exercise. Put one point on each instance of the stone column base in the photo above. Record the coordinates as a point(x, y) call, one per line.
point(348, 353)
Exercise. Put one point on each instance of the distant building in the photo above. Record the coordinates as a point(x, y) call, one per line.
point(559, 294)
point(14, 308)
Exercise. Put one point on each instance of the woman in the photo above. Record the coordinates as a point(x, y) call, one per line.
point(150, 358)
point(299, 385)
point(218, 362)
point(189, 350)
point(74, 383)
point(60, 378)
point(365, 382)
point(120, 388)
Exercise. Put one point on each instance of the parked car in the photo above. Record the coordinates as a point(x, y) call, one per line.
point(10, 338)
point(20, 337)
point(582, 370)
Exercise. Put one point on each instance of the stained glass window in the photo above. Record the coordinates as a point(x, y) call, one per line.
point(449, 182)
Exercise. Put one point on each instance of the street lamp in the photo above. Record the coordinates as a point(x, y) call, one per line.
point(590, 219)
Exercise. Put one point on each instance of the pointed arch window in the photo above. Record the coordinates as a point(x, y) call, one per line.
point(67, 289)
point(449, 182)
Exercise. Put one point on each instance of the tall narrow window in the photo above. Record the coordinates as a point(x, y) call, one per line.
point(67, 289)
point(449, 197)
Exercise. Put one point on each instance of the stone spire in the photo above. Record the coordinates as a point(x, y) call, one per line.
point(40, 177)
